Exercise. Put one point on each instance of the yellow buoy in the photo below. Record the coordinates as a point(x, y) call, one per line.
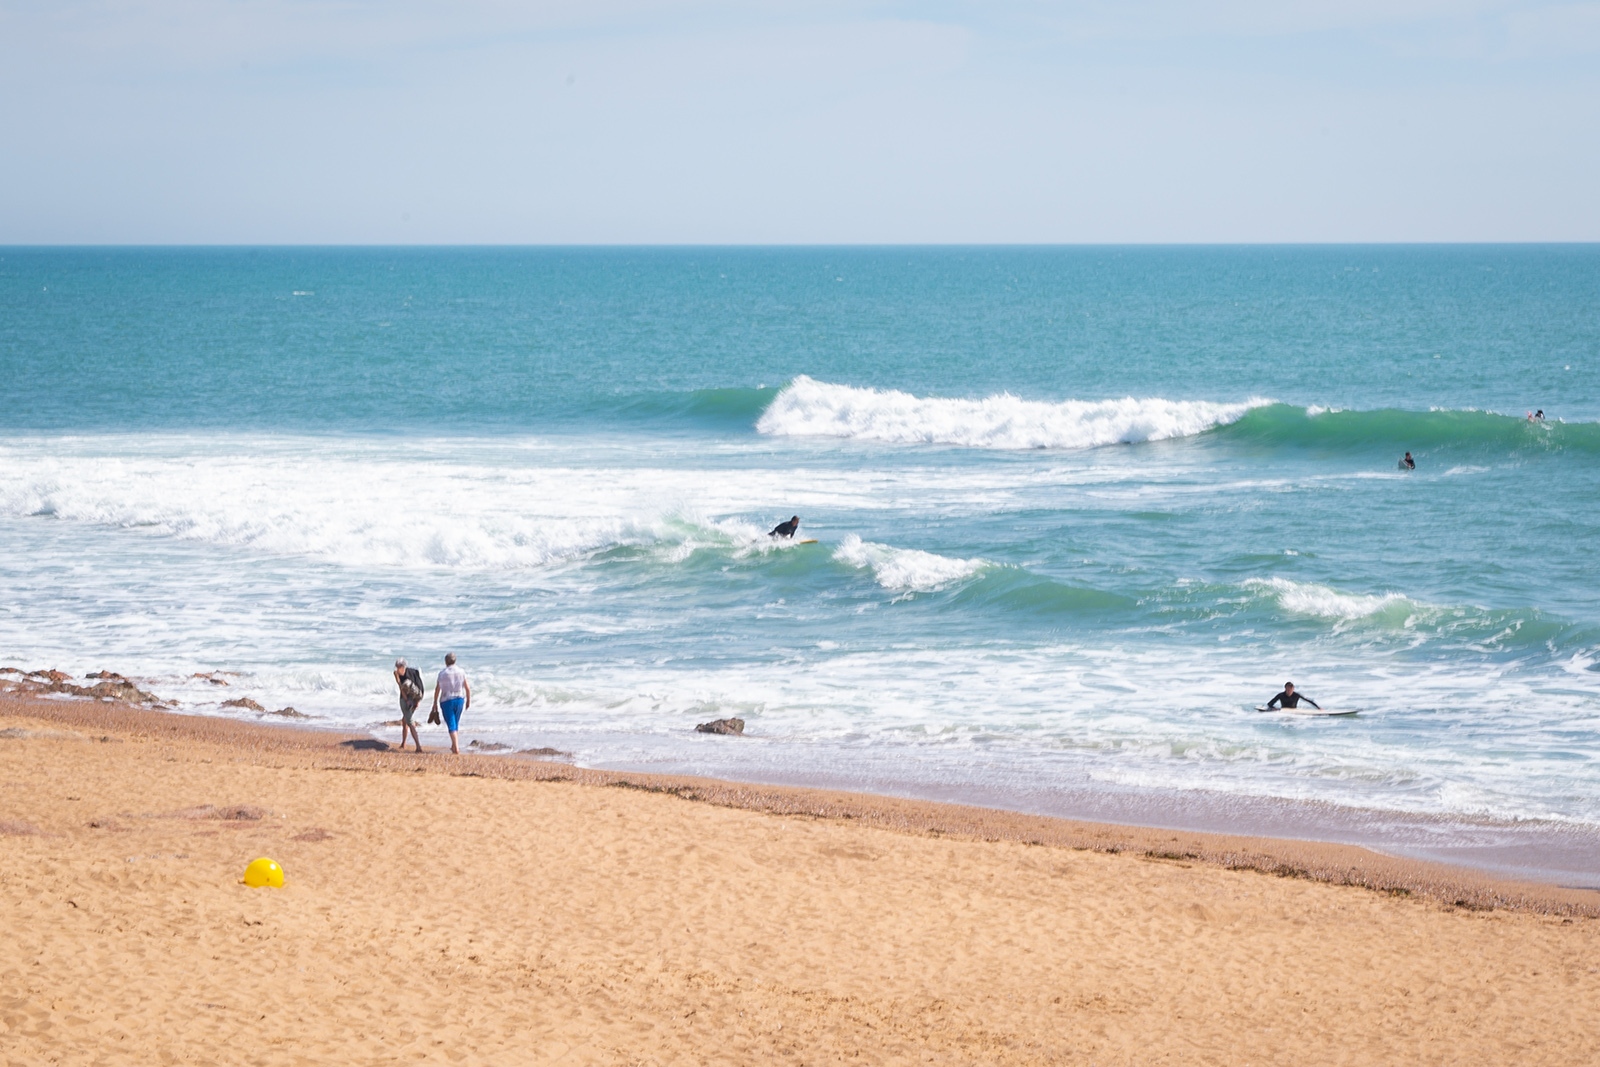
point(263, 872)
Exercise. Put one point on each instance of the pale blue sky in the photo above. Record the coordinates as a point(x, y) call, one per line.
point(305, 121)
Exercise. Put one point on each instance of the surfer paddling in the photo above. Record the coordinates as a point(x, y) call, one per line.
point(1408, 463)
point(1291, 699)
point(786, 529)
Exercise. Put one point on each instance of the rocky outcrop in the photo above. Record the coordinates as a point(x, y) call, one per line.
point(721, 726)
point(212, 678)
point(123, 690)
point(290, 713)
point(111, 686)
point(56, 682)
point(243, 702)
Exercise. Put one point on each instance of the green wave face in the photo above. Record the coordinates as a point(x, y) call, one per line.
point(1396, 429)
point(738, 406)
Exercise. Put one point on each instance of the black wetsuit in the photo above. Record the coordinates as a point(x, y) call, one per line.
point(785, 529)
point(1292, 700)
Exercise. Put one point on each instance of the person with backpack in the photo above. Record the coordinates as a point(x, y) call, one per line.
point(409, 679)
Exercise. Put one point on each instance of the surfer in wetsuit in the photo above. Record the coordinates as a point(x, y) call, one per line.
point(786, 529)
point(1410, 463)
point(1290, 698)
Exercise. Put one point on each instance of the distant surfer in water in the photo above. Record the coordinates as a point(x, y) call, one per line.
point(1537, 416)
point(1290, 698)
point(786, 529)
point(1408, 463)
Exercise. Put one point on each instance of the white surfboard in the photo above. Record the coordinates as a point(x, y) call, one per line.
point(1310, 711)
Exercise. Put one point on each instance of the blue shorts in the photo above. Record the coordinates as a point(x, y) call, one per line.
point(452, 713)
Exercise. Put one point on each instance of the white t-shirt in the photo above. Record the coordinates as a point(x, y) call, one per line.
point(452, 683)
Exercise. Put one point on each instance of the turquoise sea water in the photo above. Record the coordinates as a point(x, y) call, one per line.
point(1078, 510)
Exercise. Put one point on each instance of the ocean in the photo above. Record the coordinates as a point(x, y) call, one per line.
point(1078, 511)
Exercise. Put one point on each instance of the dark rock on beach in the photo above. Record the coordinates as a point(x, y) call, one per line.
point(116, 688)
point(243, 702)
point(123, 690)
point(290, 713)
point(112, 686)
point(721, 726)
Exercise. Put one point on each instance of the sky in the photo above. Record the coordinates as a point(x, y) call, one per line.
point(618, 122)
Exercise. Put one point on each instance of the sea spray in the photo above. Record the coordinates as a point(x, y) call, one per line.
point(811, 408)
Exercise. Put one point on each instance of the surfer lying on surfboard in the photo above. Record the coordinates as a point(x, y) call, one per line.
point(786, 529)
point(1291, 699)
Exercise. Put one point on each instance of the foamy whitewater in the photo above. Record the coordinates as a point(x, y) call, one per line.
point(807, 407)
point(1066, 543)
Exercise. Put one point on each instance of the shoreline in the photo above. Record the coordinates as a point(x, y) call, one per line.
point(485, 910)
point(1340, 864)
point(1546, 851)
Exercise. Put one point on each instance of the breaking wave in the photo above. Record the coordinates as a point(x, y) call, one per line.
point(906, 570)
point(1462, 626)
point(806, 407)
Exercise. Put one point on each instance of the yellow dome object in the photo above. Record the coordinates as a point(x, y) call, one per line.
point(263, 872)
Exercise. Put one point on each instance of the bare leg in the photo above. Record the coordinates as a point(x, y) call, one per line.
point(414, 736)
point(453, 747)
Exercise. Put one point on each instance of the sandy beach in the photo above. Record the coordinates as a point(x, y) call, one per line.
point(491, 910)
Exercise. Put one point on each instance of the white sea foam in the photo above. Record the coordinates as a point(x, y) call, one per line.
point(404, 507)
point(557, 659)
point(905, 569)
point(807, 407)
point(1308, 598)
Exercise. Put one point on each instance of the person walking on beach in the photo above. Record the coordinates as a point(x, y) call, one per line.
point(409, 679)
point(1291, 699)
point(452, 695)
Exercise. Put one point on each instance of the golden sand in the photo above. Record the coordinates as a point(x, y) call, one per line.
point(483, 910)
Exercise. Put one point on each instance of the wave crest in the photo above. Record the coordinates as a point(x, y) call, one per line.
point(1392, 429)
point(806, 407)
point(1321, 601)
point(908, 570)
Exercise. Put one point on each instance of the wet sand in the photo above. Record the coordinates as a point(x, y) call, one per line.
point(506, 910)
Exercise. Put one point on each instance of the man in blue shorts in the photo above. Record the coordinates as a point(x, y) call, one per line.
point(452, 695)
